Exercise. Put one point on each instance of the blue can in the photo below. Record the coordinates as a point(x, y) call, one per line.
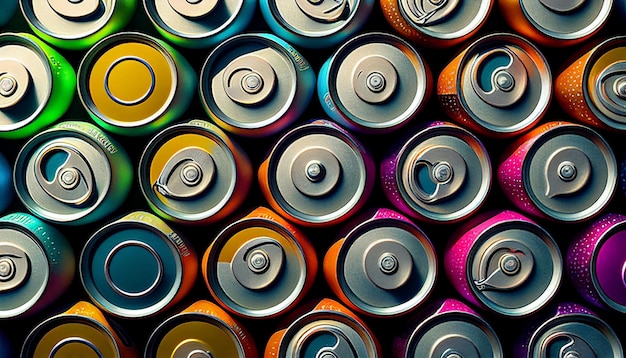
point(5, 346)
point(6, 186)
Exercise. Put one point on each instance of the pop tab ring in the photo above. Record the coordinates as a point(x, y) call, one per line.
point(57, 348)
point(325, 341)
point(187, 174)
point(567, 346)
point(429, 12)
point(505, 265)
point(435, 173)
point(249, 80)
point(327, 11)
point(14, 267)
point(14, 82)
point(499, 77)
point(193, 9)
point(74, 9)
point(258, 262)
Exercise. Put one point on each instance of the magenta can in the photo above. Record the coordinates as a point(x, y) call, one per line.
point(596, 262)
point(568, 330)
point(441, 173)
point(447, 328)
point(504, 262)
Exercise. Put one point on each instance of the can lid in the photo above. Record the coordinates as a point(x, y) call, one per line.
point(315, 18)
point(256, 267)
point(137, 247)
point(570, 172)
point(193, 8)
point(249, 81)
point(454, 335)
point(25, 81)
point(365, 82)
point(386, 267)
point(514, 267)
point(317, 173)
point(506, 83)
point(609, 266)
point(443, 172)
point(194, 335)
point(566, 20)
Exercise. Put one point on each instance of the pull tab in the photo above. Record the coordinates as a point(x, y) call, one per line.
point(326, 343)
point(504, 265)
point(68, 347)
point(454, 346)
point(186, 175)
point(14, 82)
point(74, 9)
point(499, 77)
point(192, 348)
point(438, 172)
point(563, 345)
point(374, 79)
point(249, 80)
point(193, 9)
point(567, 172)
point(315, 172)
point(14, 267)
point(327, 11)
point(430, 12)
point(562, 6)
point(63, 172)
point(611, 88)
point(258, 262)
point(388, 264)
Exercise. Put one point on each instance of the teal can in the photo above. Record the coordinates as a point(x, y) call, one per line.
point(8, 10)
point(6, 184)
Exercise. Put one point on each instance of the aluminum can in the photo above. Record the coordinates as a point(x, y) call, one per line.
point(556, 22)
point(447, 328)
point(36, 265)
point(76, 25)
point(328, 330)
point(436, 23)
point(72, 173)
point(6, 348)
point(568, 330)
point(504, 262)
point(560, 171)
point(595, 262)
point(375, 82)
point(81, 331)
point(201, 330)
point(193, 173)
point(6, 184)
point(259, 266)
point(133, 84)
point(592, 88)
point(499, 86)
point(441, 173)
point(8, 11)
point(383, 266)
point(317, 174)
point(315, 23)
point(200, 23)
point(163, 264)
point(37, 85)
point(255, 85)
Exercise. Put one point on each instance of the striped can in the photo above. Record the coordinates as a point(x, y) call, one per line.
point(163, 264)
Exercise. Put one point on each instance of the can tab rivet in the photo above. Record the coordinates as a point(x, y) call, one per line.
point(325, 11)
point(429, 12)
point(193, 9)
point(567, 171)
point(562, 5)
point(504, 265)
point(567, 346)
point(187, 174)
point(66, 346)
point(14, 267)
point(619, 87)
point(315, 172)
point(14, 82)
point(454, 346)
point(249, 80)
point(258, 263)
point(374, 79)
point(434, 174)
point(388, 264)
point(499, 77)
point(8, 85)
point(74, 9)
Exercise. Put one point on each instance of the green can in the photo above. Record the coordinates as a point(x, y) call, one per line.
point(37, 85)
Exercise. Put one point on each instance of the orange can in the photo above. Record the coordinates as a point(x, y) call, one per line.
point(81, 331)
point(201, 330)
point(259, 266)
point(436, 23)
point(328, 330)
point(592, 88)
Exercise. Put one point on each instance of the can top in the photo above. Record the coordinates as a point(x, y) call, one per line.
point(443, 172)
point(386, 266)
point(605, 82)
point(128, 79)
point(25, 81)
point(250, 81)
point(569, 172)
point(132, 245)
point(67, 335)
point(188, 171)
point(318, 172)
point(257, 267)
point(453, 334)
point(445, 20)
point(566, 19)
point(193, 334)
point(505, 83)
point(327, 334)
point(574, 335)
point(608, 267)
point(514, 267)
point(378, 80)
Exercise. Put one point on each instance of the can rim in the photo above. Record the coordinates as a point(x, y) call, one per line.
point(614, 229)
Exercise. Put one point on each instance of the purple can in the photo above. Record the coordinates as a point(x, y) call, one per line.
point(596, 262)
point(447, 328)
point(568, 330)
point(504, 262)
